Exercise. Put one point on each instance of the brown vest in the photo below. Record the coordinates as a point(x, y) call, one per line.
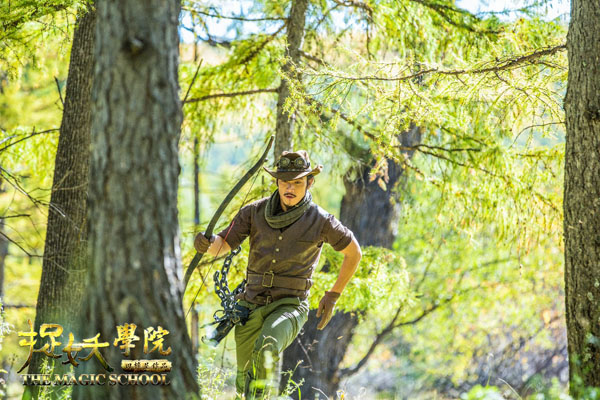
point(292, 254)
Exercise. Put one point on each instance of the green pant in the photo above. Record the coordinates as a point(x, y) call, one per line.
point(268, 331)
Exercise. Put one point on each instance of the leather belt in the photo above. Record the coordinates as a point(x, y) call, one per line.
point(269, 279)
point(264, 300)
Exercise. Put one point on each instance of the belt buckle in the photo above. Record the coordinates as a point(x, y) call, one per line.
point(272, 277)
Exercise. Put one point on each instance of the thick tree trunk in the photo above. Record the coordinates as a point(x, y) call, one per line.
point(372, 216)
point(135, 275)
point(295, 34)
point(63, 268)
point(582, 196)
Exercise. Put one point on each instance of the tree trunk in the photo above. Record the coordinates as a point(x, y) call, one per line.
point(3, 252)
point(195, 322)
point(372, 216)
point(135, 267)
point(295, 34)
point(63, 267)
point(582, 196)
point(195, 327)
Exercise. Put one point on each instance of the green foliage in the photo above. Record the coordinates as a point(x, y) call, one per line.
point(251, 65)
point(488, 110)
point(291, 386)
point(478, 260)
point(481, 203)
point(27, 23)
point(554, 392)
point(486, 94)
point(51, 392)
point(487, 297)
point(212, 379)
point(380, 284)
point(30, 110)
point(483, 393)
point(34, 64)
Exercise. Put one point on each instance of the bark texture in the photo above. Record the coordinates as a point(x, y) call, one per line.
point(372, 215)
point(295, 34)
point(63, 267)
point(135, 275)
point(582, 196)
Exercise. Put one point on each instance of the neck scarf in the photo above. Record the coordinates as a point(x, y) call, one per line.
point(287, 217)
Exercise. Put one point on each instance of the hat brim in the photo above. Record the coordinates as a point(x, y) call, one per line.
point(291, 175)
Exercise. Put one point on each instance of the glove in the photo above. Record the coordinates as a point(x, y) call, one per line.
point(326, 306)
point(202, 243)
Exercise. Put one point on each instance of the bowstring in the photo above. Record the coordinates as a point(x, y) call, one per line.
point(220, 247)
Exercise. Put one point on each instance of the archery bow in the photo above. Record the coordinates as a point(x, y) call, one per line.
point(211, 225)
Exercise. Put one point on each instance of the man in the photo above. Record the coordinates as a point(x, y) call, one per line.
point(286, 233)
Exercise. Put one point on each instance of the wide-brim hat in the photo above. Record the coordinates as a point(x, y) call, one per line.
point(293, 165)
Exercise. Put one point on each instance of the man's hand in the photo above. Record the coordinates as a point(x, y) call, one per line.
point(326, 306)
point(202, 243)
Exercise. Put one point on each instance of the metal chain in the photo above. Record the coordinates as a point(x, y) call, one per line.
point(228, 301)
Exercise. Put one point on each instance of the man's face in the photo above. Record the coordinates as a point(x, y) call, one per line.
point(292, 192)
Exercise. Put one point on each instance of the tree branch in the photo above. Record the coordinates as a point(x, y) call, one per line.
point(18, 245)
point(216, 42)
point(236, 18)
point(442, 9)
point(14, 182)
point(14, 216)
point(192, 82)
point(262, 45)
point(386, 331)
point(211, 41)
point(422, 149)
point(37, 12)
point(323, 17)
point(233, 94)
point(380, 336)
point(59, 92)
point(450, 150)
point(429, 264)
point(535, 126)
point(343, 116)
point(502, 66)
point(425, 313)
point(18, 306)
point(504, 178)
point(312, 58)
point(393, 324)
point(355, 4)
point(34, 133)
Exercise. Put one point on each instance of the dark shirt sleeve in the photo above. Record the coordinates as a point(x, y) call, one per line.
point(240, 227)
point(336, 234)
